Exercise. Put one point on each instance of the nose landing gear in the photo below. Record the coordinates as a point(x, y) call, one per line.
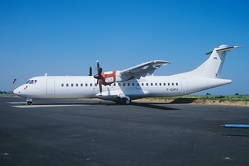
point(28, 101)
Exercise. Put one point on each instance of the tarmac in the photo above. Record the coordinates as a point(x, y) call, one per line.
point(96, 132)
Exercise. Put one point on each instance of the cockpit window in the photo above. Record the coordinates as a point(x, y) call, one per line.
point(31, 82)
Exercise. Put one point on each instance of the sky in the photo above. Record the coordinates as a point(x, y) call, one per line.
point(64, 37)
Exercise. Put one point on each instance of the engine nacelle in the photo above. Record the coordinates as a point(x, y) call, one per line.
point(107, 78)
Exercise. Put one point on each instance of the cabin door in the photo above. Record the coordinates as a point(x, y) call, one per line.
point(50, 86)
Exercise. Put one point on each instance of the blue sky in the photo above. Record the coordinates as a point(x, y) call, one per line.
point(63, 37)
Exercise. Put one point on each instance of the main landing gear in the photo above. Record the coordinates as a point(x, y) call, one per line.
point(28, 101)
point(124, 100)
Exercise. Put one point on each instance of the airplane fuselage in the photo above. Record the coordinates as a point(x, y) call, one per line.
point(86, 87)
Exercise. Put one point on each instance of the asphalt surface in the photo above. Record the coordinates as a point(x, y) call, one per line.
point(90, 132)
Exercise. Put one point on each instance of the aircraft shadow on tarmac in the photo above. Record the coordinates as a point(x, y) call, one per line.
point(183, 100)
point(154, 105)
point(160, 106)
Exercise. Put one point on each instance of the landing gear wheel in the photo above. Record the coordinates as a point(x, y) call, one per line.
point(29, 103)
point(125, 101)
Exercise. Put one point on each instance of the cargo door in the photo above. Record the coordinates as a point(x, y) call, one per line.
point(184, 85)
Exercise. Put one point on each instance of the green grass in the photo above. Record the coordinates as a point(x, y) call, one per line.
point(220, 98)
point(7, 95)
point(231, 98)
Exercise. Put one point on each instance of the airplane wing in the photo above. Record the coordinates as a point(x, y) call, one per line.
point(142, 70)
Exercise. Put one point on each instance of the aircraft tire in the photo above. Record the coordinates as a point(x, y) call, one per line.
point(125, 101)
point(29, 103)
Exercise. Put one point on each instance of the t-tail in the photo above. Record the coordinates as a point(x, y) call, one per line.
point(212, 67)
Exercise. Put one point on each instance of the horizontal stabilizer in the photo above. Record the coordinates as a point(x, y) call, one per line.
point(224, 48)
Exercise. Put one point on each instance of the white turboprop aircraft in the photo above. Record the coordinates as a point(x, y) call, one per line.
point(126, 85)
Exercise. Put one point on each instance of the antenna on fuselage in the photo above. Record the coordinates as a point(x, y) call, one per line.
point(14, 82)
point(90, 71)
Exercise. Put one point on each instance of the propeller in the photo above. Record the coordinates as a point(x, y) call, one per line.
point(98, 76)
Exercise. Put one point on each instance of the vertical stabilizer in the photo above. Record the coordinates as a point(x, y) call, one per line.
point(212, 67)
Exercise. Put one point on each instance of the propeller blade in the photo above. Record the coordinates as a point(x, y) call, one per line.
point(98, 66)
point(99, 72)
point(100, 86)
point(98, 76)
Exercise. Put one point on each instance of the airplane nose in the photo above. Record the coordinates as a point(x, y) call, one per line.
point(16, 91)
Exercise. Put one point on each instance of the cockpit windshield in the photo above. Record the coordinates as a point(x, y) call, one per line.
point(31, 82)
